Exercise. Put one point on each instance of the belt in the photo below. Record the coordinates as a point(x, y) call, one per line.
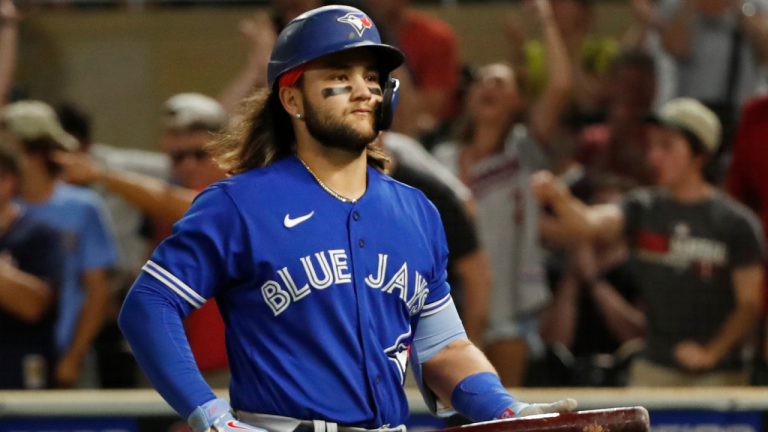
point(274, 423)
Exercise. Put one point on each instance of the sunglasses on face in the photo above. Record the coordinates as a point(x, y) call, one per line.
point(179, 156)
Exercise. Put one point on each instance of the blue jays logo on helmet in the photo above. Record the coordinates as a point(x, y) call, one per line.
point(358, 21)
point(324, 31)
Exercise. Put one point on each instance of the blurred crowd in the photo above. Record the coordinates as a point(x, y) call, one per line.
point(604, 198)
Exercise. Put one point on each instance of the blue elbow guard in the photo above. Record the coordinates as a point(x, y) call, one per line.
point(481, 397)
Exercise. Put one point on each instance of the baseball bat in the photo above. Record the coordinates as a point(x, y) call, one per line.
point(625, 419)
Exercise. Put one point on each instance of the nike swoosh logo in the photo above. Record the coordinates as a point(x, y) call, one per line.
point(290, 223)
point(232, 424)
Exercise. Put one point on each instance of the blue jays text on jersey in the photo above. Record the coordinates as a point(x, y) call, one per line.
point(320, 297)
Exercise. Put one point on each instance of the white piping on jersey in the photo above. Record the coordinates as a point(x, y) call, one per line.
point(174, 284)
point(437, 306)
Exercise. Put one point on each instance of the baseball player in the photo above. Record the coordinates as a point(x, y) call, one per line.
point(329, 274)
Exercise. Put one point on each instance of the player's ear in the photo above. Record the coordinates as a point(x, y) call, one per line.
point(291, 100)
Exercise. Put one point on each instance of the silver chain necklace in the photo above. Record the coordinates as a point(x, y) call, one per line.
point(332, 192)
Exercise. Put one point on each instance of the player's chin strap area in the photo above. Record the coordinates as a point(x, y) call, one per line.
point(390, 98)
point(273, 423)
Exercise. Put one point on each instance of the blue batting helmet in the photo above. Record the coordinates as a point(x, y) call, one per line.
point(327, 30)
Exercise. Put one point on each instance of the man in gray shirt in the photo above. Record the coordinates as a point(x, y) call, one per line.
point(699, 254)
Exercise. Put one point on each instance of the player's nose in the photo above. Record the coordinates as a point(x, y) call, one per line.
point(360, 88)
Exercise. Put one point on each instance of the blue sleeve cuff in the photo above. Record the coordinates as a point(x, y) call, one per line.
point(482, 397)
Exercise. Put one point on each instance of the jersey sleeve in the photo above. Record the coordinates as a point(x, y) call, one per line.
point(97, 242)
point(191, 265)
point(202, 253)
point(439, 296)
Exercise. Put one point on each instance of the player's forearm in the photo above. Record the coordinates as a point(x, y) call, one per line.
point(91, 315)
point(152, 196)
point(450, 366)
point(23, 295)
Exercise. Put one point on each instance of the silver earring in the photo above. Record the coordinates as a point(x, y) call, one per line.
point(298, 115)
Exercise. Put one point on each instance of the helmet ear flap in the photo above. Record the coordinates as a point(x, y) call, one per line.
point(390, 98)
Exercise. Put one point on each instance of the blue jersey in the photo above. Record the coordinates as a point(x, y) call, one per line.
point(320, 297)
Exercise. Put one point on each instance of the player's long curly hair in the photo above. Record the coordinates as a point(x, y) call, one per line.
point(264, 135)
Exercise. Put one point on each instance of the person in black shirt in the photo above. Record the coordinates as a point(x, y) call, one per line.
point(699, 254)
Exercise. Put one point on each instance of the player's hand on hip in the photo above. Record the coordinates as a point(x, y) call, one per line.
point(216, 415)
point(561, 406)
point(233, 425)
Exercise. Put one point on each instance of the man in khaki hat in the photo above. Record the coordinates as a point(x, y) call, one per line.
point(698, 254)
point(33, 120)
point(191, 120)
point(80, 216)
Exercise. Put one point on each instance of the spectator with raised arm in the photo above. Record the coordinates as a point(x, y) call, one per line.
point(260, 32)
point(190, 122)
point(589, 53)
point(699, 254)
point(494, 155)
point(469, 271)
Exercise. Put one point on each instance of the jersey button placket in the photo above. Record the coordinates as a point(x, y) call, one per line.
point(356, 217)
point(356, 228)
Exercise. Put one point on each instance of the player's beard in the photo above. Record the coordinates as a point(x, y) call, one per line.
point(333, 133)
